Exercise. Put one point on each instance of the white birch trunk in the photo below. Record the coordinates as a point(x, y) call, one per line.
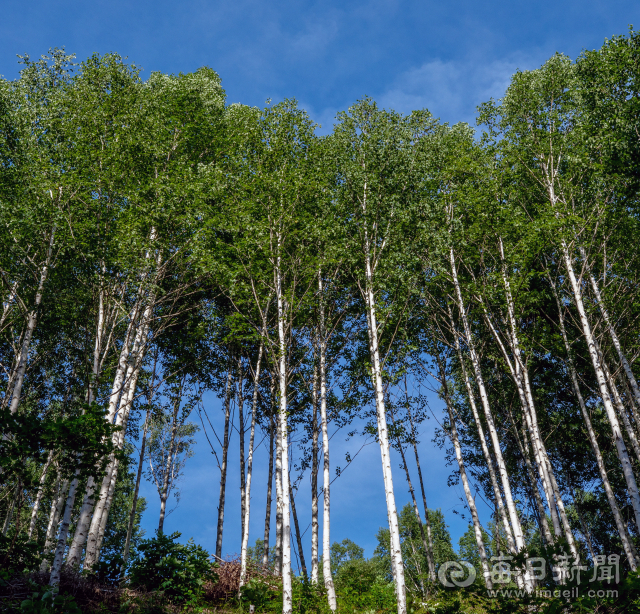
point(63, 532)
point(620, 524)
point(101, 512)
point(383, 436)
point(622, 410)
point(164, 493)
point(548, 478)
point(501, 511)
point(614, 337)
point(32, 319)
point(528, 408)
point(430, 559)
point(542, 513)
point(278, 490)
point(493, 433)
point(621, 448)
point(267, 514)
point(453, 435)
point(240, 384)
point(247, 493)
point(39, 495)
point(223, 467)
point(287, 594)
point(57, 505)
point(326, 466)
point(314, 477)
point(134, 503)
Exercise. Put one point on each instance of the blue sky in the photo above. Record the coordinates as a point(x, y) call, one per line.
point(446, 56)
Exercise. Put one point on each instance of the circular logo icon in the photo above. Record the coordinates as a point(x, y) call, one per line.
point(462, 574)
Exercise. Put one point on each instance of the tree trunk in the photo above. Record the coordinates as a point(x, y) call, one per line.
point(267, 515)
point(425, 545)
point(314, 476)
point(519, 374)
point(56, 567)
point(134, 503)
point(430, 559)
point(121, 389)
point(247, 493)
point(620, 524)
point(383, 437)
point(493, 433)
point(287, 595)
point(500, 509)
point(542, 513)
point(240, 384)
point(57, 505)
point(453, 435)
point(326, 467)
point(164, 492)
point(32, 319)
point(223, 467)
point(416, 511)
point(621, 448)
point(303, 564)
point(622, 410)
point(7, 518)
point(612, 332)
point(101, 513)
point(85, 520)
point(278, 489)
point(36, 505)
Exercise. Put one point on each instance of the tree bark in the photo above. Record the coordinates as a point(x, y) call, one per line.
point(303, 564)
point(85, 520)
point(247, 493)
point(612, 332)
point(500, 509)
point(453, 435)
point(56, 567)
point(287, 594)
point(103, 506)
point(134, 503)
point(493, 433)
point(416, 511)
point(39, 495)
point(430, 559)
point(267, 515)
point(620, 524)
point(383, 436)
point(32, 319)
point(223, 467)
point(314, 475)
point(623, 455)
point(240, 385)
point(164, 493)
point(278, 554)
point(326, 467)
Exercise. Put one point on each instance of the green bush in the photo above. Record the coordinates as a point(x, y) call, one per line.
point(308, 598)
point(362, 585)
point(44, 600)
point(179, 570)
point(18, 554)
point(262, 594)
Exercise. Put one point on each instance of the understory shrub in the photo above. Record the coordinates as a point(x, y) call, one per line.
point(362, 585)
point(180, 571)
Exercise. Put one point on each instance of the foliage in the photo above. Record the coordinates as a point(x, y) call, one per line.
point(46, 600)
point(179, 570)
point(18, 554)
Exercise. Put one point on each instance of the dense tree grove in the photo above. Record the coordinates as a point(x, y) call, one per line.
point(157, 243)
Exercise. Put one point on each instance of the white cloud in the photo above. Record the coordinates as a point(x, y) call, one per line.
point(453, 89)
